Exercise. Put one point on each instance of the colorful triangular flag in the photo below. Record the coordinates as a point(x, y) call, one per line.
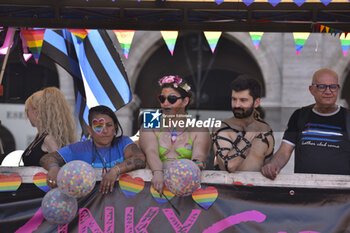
point(219, 1)
point(125, 38)
point(256, 37)
point(212, 38)
point(34, 38)
point(345, 43)
point(299, 2)
point(274, 2)
point(247, 2)
point(80, 33)
point(325, 2)
point(300, 39)
point(170, 39)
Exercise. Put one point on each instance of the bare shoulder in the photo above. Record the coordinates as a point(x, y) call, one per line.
point(50, 143)
point(263, 127)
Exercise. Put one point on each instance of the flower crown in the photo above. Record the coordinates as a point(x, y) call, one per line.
point(176, 82)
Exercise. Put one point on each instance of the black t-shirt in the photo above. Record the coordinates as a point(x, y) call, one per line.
point(322, 145)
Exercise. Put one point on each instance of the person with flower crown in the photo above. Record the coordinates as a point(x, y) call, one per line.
point(175, 139)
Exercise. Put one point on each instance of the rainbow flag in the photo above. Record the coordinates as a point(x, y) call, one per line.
point(80, 33)
point(10, 183)
point(205, 197)
point(256, 38)
point(300, 39)
point(345, 43)
point(212, 38)
point(34, 38)
point(131, 186)
point(125, 38)
point(170, 39)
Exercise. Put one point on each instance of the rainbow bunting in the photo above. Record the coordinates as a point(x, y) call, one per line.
point(80, 33)
point(39, 179)
point(125, 38)
point(325, 2)
point(170, 39)
point(247, 2)
point(274, 2)
point(212, 38)
point(300, 39)
point(299, 2)
point(34, 38)
point(131, 186)
point(256, 37)
point(345, 43)
point(9, 183)
point(205, 197)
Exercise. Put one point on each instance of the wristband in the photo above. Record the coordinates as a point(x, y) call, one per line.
point(118, 171)
point(53, 165)
point(199, 163)
point(153, 171)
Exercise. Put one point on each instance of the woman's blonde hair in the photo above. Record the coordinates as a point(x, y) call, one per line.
point(54, 115)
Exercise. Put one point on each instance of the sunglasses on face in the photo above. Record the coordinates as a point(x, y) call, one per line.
point(171, 98)
point(323, 87)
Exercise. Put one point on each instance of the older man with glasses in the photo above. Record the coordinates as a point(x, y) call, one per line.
point(318, 133)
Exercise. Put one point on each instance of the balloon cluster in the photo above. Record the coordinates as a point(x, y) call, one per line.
point(75, 179)
point(182, 177)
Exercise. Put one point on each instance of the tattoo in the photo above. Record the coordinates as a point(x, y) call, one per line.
point(135, 149)
point(139, 163)
point(50, 158)
point(128, 163)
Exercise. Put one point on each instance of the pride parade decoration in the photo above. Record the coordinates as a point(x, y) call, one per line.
point(212, 38)
point(300, 39)
point(58, 208)
point(79, 33)
point(256, 38)
point(9, 183)
point(205, 197)
point(125, 38)
point(76, 179)
point(170, 39)
point(182, 177)
point(161, 199)
point(131, 186)
point(345, 43)
point(98, 125)
point(39, 179)
point(34, 38)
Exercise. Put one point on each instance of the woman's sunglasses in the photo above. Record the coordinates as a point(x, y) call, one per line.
point(171, 98)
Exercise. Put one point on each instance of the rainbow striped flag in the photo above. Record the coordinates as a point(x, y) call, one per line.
point(345, 43)
point(256, 38)
point(80, 33)
point(34, 38)
point(170, 39)
point(300, 39)
point(125, 38)
point(212, 38)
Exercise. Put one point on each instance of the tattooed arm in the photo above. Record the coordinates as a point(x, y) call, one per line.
point(133, 159)
point(52, 163)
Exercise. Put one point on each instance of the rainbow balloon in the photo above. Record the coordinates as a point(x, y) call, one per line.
point(300, 39)
point(125, 38)
point(10, 183)
point(34, 38)
point(170, 39)
point(205, 197)
point(212, 38)
point(131, 186)
point(39, 179)
point(161, 199)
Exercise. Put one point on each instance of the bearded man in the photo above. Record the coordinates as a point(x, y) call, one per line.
point(243, 142)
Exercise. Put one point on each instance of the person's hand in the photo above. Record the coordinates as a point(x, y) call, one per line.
point(270, 170)
point(108, 181)
point(51, 178)
point(158, 181)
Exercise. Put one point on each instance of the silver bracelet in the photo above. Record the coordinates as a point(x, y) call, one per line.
point(118, 171)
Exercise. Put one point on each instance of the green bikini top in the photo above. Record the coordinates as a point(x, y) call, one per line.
point(185, 152)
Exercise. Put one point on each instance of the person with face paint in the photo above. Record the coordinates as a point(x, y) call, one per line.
point(108, 148)
point(49, 112)
point(173, 141)
point(243, 142)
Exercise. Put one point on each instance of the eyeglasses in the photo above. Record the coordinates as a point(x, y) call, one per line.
point(171, 98)
point(323, 87)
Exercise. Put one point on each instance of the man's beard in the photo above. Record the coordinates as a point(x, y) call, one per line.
point(243, 113)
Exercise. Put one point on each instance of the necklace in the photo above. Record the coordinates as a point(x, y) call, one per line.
point(174, 135)
point(102, 158)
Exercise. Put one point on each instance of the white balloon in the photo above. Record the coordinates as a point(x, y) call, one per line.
point(13, 159)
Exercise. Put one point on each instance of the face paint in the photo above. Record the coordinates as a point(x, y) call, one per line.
point(98, 125)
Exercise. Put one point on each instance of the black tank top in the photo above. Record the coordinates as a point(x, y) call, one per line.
point(32, 155)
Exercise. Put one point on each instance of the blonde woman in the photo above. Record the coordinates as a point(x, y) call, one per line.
point(49, 112)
